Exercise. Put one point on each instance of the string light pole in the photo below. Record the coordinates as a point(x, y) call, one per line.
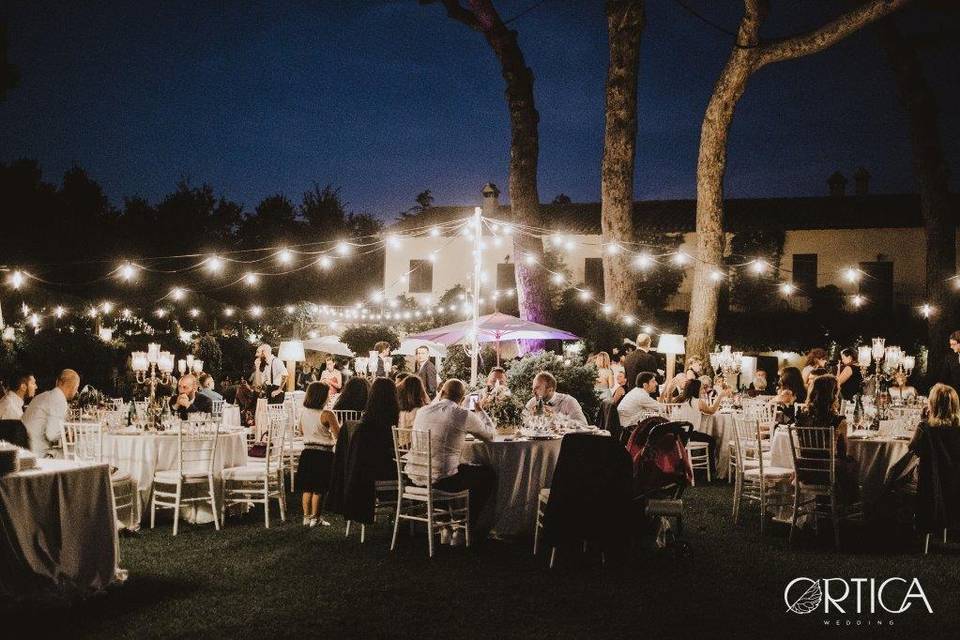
point(477, 266)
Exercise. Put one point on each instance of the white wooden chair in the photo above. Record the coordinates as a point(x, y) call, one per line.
point(293, 437)
point(699, 459)
point(756, 480)
point(88, 447)
point(259, 482)
point(814, 451)
point(385, 502)
point(69, 432)
point(217, 409)
point(437, 509)
point(542, 499)
point(196, 451)
point(347, 415)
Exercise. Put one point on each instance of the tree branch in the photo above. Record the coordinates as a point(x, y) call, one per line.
point(829, 34)
point(458, 12)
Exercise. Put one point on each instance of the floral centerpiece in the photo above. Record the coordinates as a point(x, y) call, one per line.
point(505, 411)
point(89, 399)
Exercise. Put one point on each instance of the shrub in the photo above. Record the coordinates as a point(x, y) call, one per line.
point(361, 339)
point(208, 350)
point(575, 379)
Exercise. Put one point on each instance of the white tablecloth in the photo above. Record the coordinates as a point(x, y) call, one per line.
point(231, 415)
point(144, 454)
point(523, 468)
point(722, 427)
point(875, 457)
point(58, 529)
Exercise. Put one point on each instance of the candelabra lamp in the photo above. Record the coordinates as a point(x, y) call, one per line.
point(152, 367)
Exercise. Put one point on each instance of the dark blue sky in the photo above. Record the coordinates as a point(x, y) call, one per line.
point(387, 98)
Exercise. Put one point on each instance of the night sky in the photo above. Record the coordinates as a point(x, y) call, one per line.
point(386, 99)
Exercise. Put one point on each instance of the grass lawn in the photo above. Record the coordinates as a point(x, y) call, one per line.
point(291, 581)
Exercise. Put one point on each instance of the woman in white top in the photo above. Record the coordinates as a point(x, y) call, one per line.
point(900, 391)
point(692, 402)
point(605, 383)
point(320, 430)
point(411, 394)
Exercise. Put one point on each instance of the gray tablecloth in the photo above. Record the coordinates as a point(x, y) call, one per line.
point(523, 468)
point(58, 529)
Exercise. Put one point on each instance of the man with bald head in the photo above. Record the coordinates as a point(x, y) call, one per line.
point(45, 415)
point(188, 400)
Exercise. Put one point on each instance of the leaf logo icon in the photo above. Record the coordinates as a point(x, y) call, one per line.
point(808, 601)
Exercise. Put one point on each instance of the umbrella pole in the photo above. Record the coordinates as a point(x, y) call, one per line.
point(477, 263)
point(498, 353)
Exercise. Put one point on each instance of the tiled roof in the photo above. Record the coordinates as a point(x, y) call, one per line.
point(741, 214)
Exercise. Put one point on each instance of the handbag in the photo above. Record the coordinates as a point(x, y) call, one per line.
point(258, 449)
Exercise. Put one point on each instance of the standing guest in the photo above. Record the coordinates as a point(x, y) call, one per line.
point(620, 390)
point(816, 373)
point(206, 388)
point(638, 400)
point(320, 430)
point(823, 410)
point(187, 400)
point(412, 395)
point(950, 374)
point(546, 397)
point(384, 362)
point(229, 390)
point(331, 376)
point(426, 370)
point(616, 363)
point(354, 395)
point(269, 374)
point(23, 386)
point(45, 415)
point(605, 380)
point(816, 359)
point(307, 375)
point(848, 374)
point(381, 415)
point(640, 360)
point(246, 402)
point(900, 391)
point(448, 422)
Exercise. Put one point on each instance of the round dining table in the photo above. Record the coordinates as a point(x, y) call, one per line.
point(523, 467)
point(142, 454)
point(722, 426)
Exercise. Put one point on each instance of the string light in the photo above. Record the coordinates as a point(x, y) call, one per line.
point(176, 293)
point(16, 279)
point(228, 312)
point(857, 300)
point(194, 312)
point(107, 307)
point(59, 311)
point(530, 259)
point(325, 262)
point(585, 294)
point(250, 278)
point(557, 278)
point(393, 241)
point(128, 271)
point(607, 309)
point(285, 256)
point(289, 309)
point(716, 276)
point(787, 288)
point(680, 258)
point(127, 313)
point(434, 232)
point(214, 264)
point(256, 311)
point(613, 249)
point(758, 266)
point(852, 275)
point(344, 248)
point(160, 313)
point(926, 310)
point(643, 261)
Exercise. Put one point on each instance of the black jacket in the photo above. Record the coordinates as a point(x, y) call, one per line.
point(636, 363)
point(201, 403)
point(951, 370)
point(428, 373)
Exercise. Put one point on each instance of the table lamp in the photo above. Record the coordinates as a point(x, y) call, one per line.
point(672, 345)
point(291, 352)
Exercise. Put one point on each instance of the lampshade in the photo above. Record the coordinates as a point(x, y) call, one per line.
point(671, 343)
point(291, 351)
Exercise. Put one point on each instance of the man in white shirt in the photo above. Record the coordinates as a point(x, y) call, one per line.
point(448, 422)
point(269, 373)
point(638, 400)
point(45, 416)
point(22, 387)
point(545, 391)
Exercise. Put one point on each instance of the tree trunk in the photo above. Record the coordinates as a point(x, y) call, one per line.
point(624, 26)
point(932, 174)
point(532, 291)
point(748, 56)
point(711, 166)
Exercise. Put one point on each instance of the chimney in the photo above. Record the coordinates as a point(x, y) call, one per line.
point(838, 184)
point(491, 205)
point(861, 181)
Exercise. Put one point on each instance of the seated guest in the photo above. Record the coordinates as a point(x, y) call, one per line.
point(187, 400)
point(448, 422)
point(620, 390)
point(546, 397)
point(605, 382)
point(412, 396)
point(320, 430)
point(400, 377)
point(707, 389)
point(246, 398)
point(759, 385)
point(45, 415)
point(331, 376)
point(786, 403)
point(229, 390)
point(823, 410)
point(206, 388)
point(354, 395)
point(900, 391)
point(791, 378)
point(638, 402)
point(816, 373)
point(23, 386)
point(496, 379)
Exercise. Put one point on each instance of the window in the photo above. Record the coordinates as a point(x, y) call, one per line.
point(876, 284)
point(593, 275)
point(805, 272)
point(421, 276)
point(506, 276)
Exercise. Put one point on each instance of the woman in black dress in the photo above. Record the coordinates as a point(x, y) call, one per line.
point(848, 374)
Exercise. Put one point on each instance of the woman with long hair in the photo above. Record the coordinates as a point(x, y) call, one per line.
point(792, 378)
point(354, 395)
point(816, 359)
point(381, 415)
point(320, 429)
point(848, 374)
point(823, 411)
point(605, 383)
point(412, 395)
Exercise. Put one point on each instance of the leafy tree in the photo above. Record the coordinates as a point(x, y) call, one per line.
point(361, 338)
point(573, 378)
point(207, 349)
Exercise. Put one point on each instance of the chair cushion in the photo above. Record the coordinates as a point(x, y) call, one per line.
point(170, 476)
point(251, 472)
point(769, 472)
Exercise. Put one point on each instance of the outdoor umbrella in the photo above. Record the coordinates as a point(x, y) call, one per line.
point(328, 344)
point(409, 346)
point(494, 328)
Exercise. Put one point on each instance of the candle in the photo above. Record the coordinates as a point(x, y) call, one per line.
point(189, 361)
point(153, 352)
point(197, 366)
point(909, 362)
point(181, 366)
point(878, 348)
point(863, 356)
